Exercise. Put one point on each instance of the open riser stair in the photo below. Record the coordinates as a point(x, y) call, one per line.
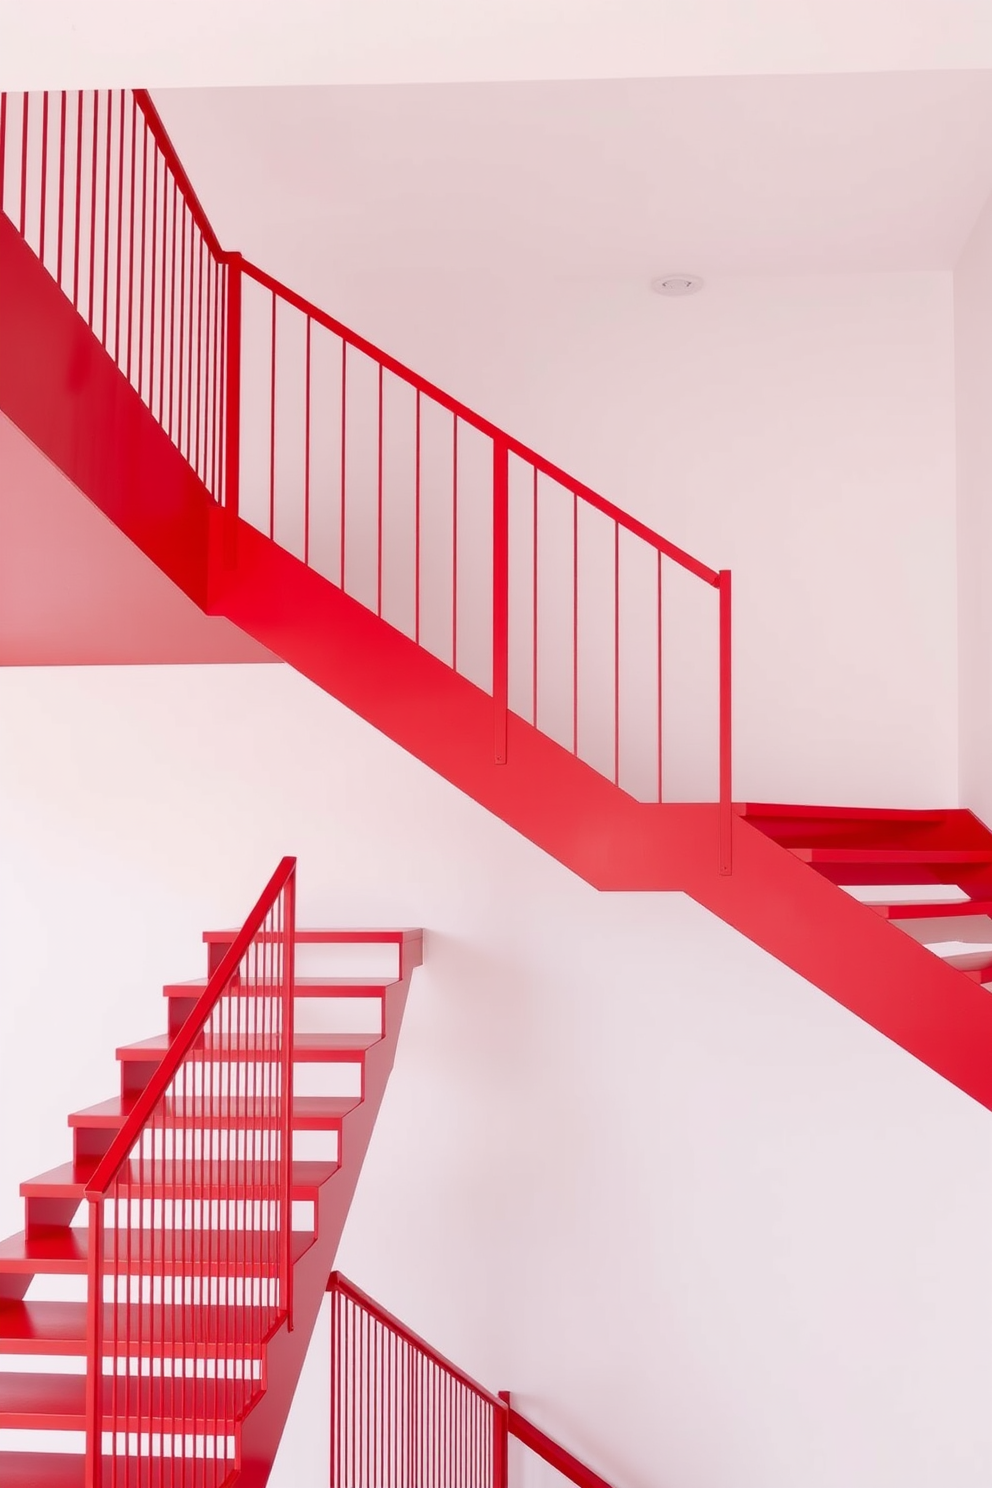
point(214, 1212)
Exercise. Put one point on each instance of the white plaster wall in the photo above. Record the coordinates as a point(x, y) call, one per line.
point(710, 1227)
point(973, 356)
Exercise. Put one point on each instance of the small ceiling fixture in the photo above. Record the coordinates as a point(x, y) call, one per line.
point(677, 284)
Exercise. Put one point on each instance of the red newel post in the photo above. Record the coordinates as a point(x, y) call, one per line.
point(726, 755)
point(232, 443)
point(501, 595)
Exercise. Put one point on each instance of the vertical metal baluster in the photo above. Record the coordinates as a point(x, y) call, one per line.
point(182, 331)
point(132, 219)
point(94, 168)
point(25, 117)
point(533, 705)
point(306, 458)
point(188, 452)
point(616, 653)
point(163, 293)
point(77, 226)
point(575, 623)
point(3, 147)
point(172, 314)
point(120, 230)
point(106, 215)
point(660, 710)
point(344, 460)
point(153, 281)
point(44, 177)
point(454, 544)
point(272, 426)
point(61, 223)
point(198, 463)
point(144, 236)
point(726, 747)
point(416, 598)
point(378, 601)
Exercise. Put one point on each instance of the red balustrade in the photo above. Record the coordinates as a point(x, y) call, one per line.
point(94, 186)
point(568, 611)
point(403, 1416)
point(190, 1225)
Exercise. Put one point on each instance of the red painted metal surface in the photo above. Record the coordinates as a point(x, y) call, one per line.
point(191, 1269)
point(404, 1416)
point(432, 676)
point(334, 449)
point(215, 1118)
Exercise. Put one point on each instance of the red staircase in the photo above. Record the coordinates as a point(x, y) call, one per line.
point(208, 1245)
point(495, 617)
point(492, 615)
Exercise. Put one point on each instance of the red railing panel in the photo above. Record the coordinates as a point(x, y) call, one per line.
point(190, 1225)
point(572, 614)
point(403, 1416)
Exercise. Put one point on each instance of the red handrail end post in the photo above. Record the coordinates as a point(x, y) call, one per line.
point(501, 1443)
point(232, 405)
point(501, 595)
point(726, 743)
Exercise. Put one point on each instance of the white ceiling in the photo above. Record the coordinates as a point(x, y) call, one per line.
point(70, 43)
point(772, 175)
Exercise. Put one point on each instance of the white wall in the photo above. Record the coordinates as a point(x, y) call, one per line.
point(711, 1228)
point(55, 43)
point(973, 354)
point(799, 431)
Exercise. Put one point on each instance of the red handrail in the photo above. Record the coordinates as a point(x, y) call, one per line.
point(399, 1413)
point(552, 1452)
point(184, 1041)
point(339, 1283)
point(144, 101)
point(474, 420)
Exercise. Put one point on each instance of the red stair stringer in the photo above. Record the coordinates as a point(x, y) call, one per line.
point(66, 395)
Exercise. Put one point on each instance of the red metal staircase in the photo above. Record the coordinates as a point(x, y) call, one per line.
point(495, 617)
point(208, 1246)
point(491, 614)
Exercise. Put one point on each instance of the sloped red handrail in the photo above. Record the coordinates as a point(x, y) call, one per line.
point(402, 1413)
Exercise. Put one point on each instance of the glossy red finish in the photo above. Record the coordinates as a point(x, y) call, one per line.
point(403, 1414)
point(59, 384)
point(194, 1276)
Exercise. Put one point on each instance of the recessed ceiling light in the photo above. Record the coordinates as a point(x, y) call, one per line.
point(677, 284)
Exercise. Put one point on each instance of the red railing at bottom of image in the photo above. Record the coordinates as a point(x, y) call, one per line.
point(403, 1416)
point(190, 1213)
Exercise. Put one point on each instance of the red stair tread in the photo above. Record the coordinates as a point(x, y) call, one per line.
point(57, 1402)
point(70, 1179)
point(49, 1328)
point(943, 909)
point(67, 1470)
point(55, 1252)
point(850, 813)
point(328, 937)
point(42, 1328)
point(879, 856)
point(307, 1047)
point(65, 1251)
point(324, 986)
point(309, 1112)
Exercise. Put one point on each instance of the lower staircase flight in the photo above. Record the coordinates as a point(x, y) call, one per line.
point(210, 1233)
